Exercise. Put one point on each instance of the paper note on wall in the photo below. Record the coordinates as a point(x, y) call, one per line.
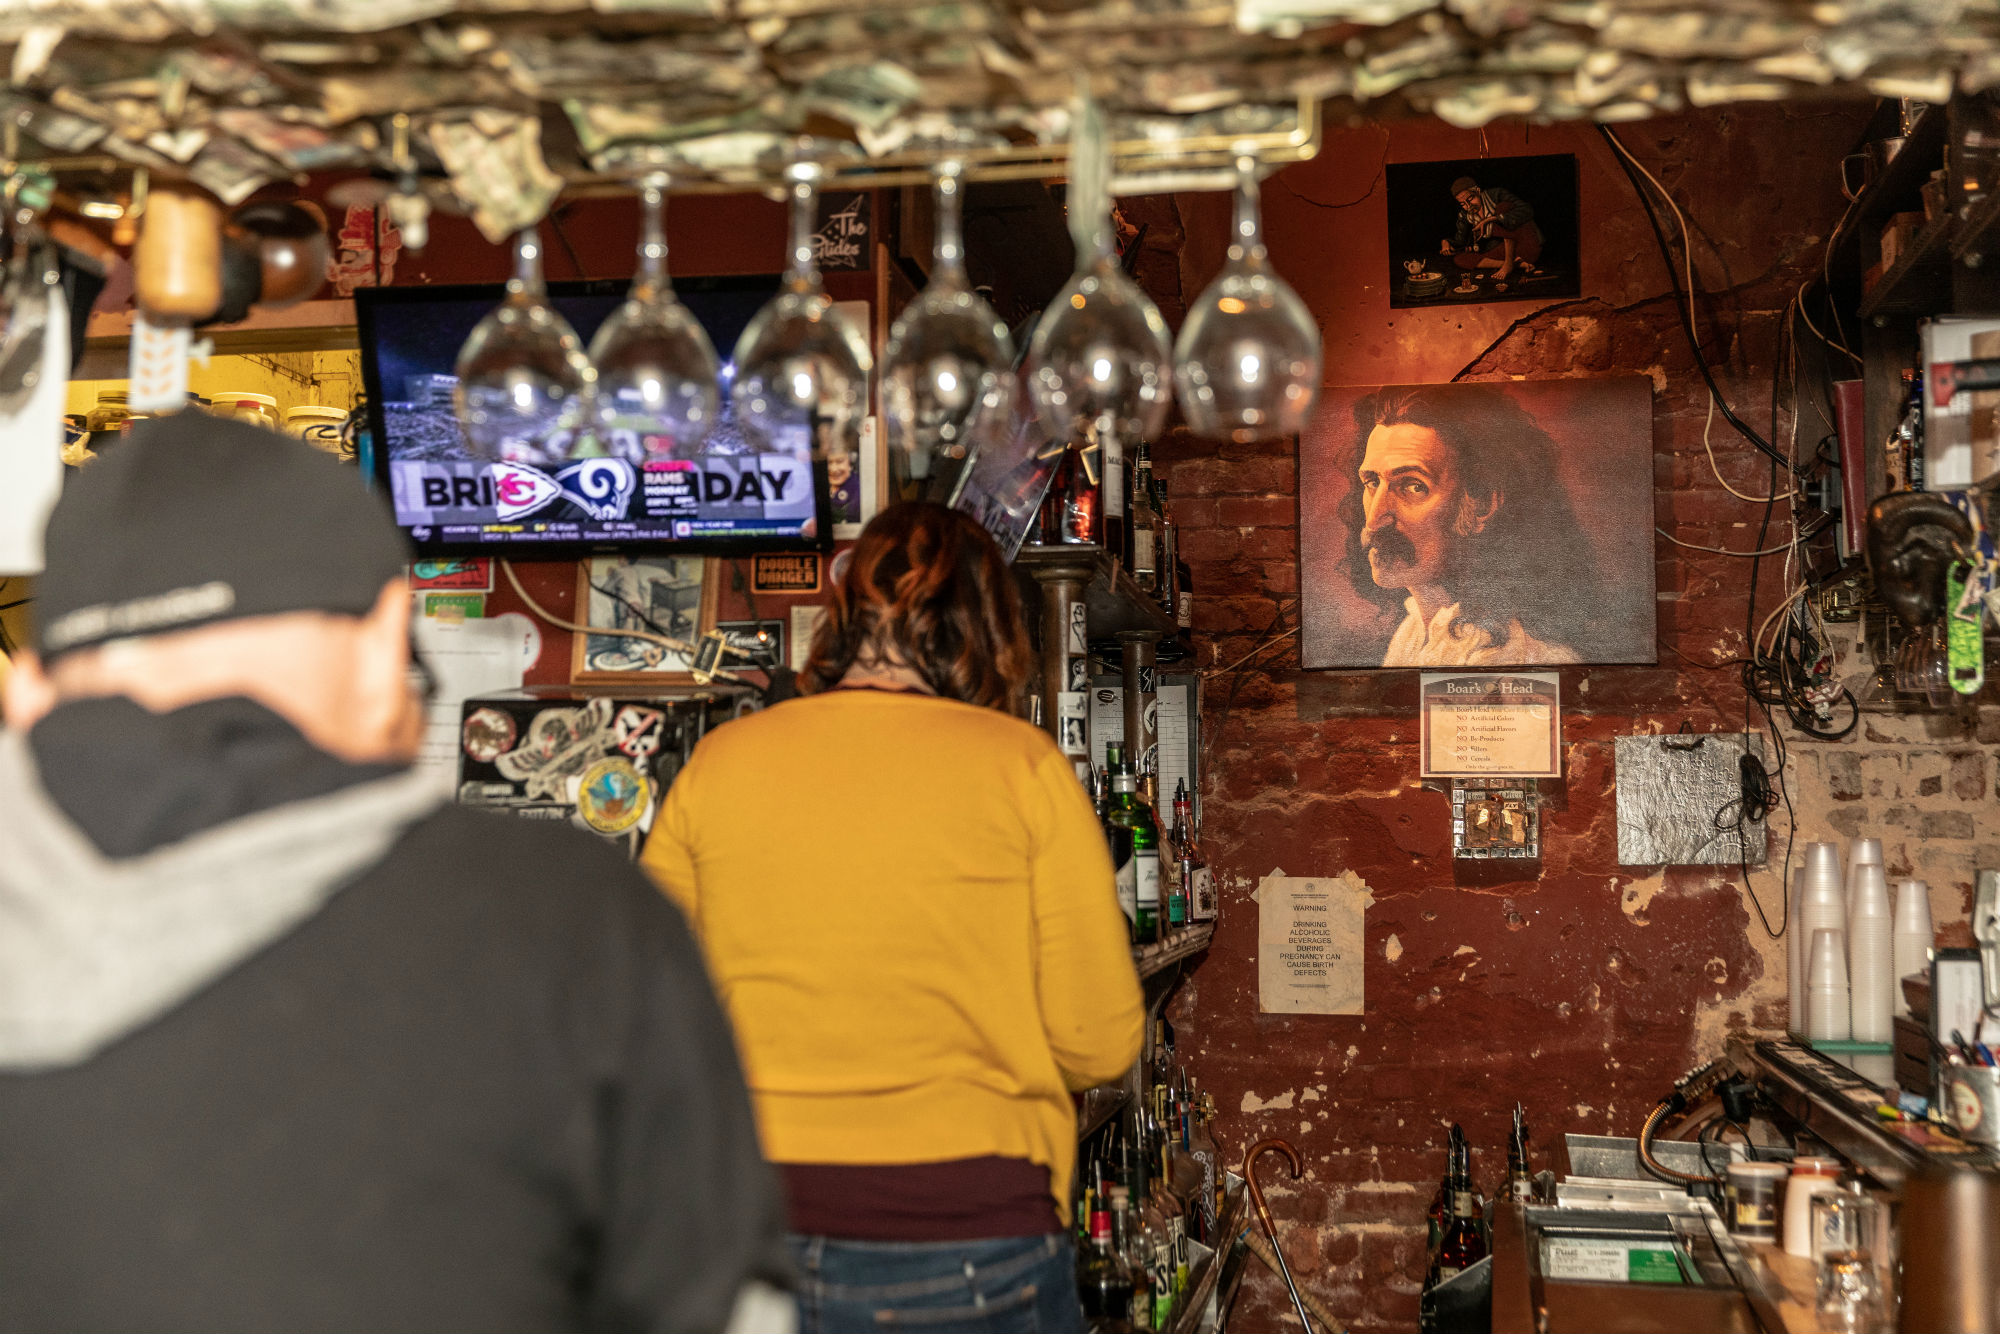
point(806, 617)
point(467, 658)
point(1107, 724)
point(1309, 944)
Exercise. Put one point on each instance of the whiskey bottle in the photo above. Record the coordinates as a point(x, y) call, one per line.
point(1464, 1242)
point(1131, 823)
point(1520, 1175)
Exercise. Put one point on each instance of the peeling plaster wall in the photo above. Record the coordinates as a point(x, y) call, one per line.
point(1584, 989)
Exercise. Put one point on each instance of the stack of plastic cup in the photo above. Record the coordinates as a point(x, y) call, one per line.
point(1871, 964)
point(1862, 852)
point(1795, 954)
point(1822, 907)
point(1913, 935)
point(1826, 988)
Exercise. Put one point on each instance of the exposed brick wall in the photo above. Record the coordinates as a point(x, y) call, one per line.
point(1583, 988)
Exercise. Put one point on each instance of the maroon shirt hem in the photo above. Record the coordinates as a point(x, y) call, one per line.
point(965, 1199)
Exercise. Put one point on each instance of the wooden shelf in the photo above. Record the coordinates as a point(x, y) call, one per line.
point(308, 326)
point(1979, 235)
point(1233, 1222)
point(1899, 189)
point(1115, 602)
point(1094, 1119)
point(1919, 283)
point(1189, 941)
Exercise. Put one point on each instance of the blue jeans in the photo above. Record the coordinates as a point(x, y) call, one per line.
point(1009, 1285)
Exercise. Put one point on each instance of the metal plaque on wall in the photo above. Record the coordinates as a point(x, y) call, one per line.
point(1680, 798)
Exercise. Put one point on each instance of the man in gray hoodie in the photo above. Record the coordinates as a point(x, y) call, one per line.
point(287, 1041)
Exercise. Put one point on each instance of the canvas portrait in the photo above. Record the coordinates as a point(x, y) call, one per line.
point(1475, 230)
point(1504, 524)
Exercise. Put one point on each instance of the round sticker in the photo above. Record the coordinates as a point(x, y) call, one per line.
point(1965, 1106)
point(612, 795)
point(488, 734)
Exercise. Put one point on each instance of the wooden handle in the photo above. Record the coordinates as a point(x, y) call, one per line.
point(177, 266)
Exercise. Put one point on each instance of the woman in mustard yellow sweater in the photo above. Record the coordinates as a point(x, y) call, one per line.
point(907, 906)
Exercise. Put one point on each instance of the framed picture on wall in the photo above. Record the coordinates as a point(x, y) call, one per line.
point(665, 595)
point(1474, 230)
point(1504, 524)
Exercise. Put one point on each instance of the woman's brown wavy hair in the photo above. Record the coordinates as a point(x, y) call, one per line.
point(926, 586)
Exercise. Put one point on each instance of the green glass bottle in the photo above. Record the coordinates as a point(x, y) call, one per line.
point(1130, 821)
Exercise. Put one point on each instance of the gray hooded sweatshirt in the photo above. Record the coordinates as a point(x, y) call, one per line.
point(365, 1060)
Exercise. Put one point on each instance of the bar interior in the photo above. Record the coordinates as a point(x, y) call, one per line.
point(1496, 496)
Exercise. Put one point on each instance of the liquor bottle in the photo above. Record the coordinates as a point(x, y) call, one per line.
point(1183, 591)
point(1131, 823)
point(1103, 1281)
point(1179, 885)
point(1440, 1210)
point(1112, 480)
point(1170, 546)
point(1520, 1175)
point(1144, 521)
point(1198, 884)
point(1071, 510)
point(1157, 1244)
point(1205, 1151)
point(1126, 1241)
point(1905, 449)
point(1464, 1241)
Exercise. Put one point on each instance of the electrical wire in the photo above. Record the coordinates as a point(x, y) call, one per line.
point(1636, 173)
point(680, 646)
point(1659, 1169)
point(1720, 551)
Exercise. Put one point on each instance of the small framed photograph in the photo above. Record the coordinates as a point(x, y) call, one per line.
point(662, 595)
point(853, 483)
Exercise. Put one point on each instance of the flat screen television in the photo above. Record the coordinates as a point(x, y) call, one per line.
point(608, 495)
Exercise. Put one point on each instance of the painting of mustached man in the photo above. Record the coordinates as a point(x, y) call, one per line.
point(1478, 525)
point(1483, 229)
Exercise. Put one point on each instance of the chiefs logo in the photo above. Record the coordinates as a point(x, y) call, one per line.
point(518, 490)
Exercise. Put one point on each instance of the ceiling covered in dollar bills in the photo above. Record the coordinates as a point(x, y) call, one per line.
point(504, 101)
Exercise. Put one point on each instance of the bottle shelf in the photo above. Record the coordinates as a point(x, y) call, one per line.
point(1920, 280)
point(1220, 1272)
point(1898, 187)
point(1115, 602)
point(1101, 1104)
point(1154, 959)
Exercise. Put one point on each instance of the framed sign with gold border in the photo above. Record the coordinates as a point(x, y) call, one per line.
point(673, 596)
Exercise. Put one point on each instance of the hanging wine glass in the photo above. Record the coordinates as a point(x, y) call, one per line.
point(1099, 358)
point(656, 372)
point(1248, 360)
point(801, 369)
point(948, 370)
point(524, 384)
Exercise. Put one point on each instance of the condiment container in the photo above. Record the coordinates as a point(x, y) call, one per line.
point(1810, 1177)
point(257, 409)
point(1752, 1194)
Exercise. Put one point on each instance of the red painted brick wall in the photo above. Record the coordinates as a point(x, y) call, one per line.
point(1582, 988)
